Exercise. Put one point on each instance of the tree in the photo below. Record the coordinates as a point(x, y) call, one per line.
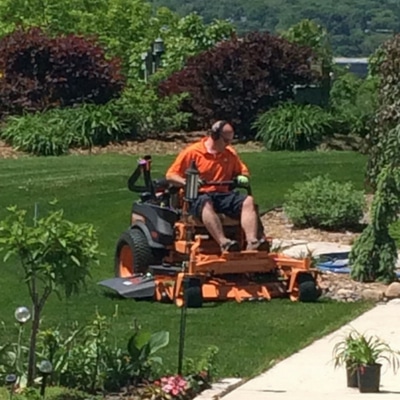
point(308, 33)
point(384, 64)
point(239, 78)
point(355, 27)
point(374, 254)
point(126, 28)
point(187, 36)
point(54, 254)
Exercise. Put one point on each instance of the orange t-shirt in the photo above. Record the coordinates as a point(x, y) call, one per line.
point(222, 166)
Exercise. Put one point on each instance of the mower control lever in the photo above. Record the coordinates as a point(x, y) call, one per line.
point(232, 184)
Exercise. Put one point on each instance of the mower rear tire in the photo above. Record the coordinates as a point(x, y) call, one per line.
point(308, 289)
point(133, 254)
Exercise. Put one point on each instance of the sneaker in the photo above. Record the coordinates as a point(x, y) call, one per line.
point(231, 245)
point(261, 245)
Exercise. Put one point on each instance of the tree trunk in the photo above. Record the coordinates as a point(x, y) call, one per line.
point(32, 346)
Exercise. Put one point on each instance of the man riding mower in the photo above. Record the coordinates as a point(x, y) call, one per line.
point(184, 244)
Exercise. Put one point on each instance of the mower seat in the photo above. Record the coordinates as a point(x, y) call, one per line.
point(225, 220)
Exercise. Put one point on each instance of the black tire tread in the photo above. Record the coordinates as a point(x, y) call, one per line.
point(308, 290)
point(142, 253)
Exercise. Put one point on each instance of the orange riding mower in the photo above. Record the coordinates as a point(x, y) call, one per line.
point(168, 255)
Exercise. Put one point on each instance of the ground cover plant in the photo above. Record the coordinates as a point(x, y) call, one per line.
point(93, 189)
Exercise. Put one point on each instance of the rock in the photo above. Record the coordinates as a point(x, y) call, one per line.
point(340, 287)
point(372, 294)
point(344, 293)
point(393, 290)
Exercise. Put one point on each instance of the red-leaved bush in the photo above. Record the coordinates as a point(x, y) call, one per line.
point(38, 72)
point(239, 78)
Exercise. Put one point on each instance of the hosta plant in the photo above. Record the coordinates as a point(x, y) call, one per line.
point(55, 131)
point(293, 126)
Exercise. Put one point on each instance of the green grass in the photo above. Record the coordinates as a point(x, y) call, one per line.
point(51, 393)
point(93, 189)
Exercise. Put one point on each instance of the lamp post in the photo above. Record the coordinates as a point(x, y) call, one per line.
point(152, 58)
point(22, 315)
point(45, 368)
point(10, 381)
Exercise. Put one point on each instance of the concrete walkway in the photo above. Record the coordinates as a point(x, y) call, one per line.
point(310, 373)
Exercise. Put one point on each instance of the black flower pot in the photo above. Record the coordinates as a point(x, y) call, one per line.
point(369, 377)
point(352, 377)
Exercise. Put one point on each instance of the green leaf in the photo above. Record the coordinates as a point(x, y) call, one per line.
point(136, 342)
point(158, 340)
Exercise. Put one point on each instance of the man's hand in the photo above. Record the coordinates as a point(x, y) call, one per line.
point(242, 180)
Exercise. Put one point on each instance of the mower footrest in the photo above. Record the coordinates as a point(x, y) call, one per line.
point(164, 270)
point(137, 286)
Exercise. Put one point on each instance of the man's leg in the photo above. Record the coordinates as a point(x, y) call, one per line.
point(213, 224)
point(241, 206)
point(204, 209)
point(249, 220)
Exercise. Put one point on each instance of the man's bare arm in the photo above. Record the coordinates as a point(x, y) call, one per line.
point(176, 180)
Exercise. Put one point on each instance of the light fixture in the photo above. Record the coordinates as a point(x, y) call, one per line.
point(45, 368)
point(10, 381)
point(158, 46)
point(22, 315)
point(151, 60)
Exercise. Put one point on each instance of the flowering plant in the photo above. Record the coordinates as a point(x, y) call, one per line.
point(174, 385)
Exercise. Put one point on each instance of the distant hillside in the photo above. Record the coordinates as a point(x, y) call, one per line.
point(356, 27)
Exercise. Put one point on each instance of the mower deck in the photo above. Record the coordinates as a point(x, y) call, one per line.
point(240, 276)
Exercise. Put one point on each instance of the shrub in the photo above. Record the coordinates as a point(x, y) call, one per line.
point(323, 203)
point(353, 103)
point(152, 114)
point(239, 77)
point(374, 254)
point(293, 127)
point(394, 232)
point(388, 114)
point(40, 72)
point(54, 132)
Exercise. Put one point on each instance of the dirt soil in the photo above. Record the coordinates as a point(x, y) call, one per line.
point(277, 225)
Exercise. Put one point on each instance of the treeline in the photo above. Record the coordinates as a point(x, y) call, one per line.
point(356, 27)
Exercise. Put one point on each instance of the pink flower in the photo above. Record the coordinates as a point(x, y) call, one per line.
point(174, 385)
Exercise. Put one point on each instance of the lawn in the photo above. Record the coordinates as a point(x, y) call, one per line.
point(93, 189)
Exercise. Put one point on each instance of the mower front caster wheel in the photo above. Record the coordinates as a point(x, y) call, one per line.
point(192, 294)
point(308, 289)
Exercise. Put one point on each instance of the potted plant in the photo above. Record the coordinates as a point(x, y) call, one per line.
point(362, 356)
point(345, 352)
